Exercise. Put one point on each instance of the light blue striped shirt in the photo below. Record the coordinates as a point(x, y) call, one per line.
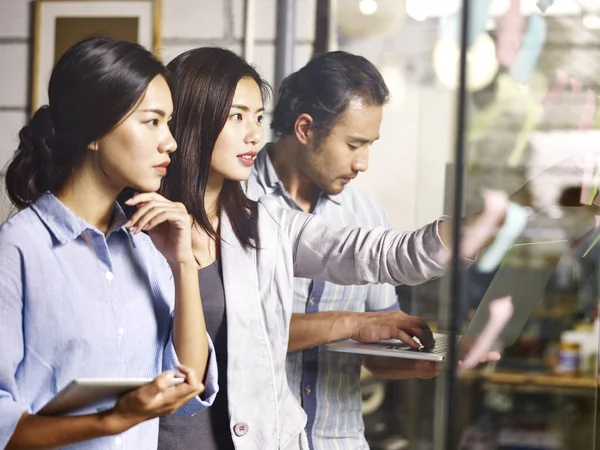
point(76, 303)
point(326, 383)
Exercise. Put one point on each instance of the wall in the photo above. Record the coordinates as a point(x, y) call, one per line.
point(407, 165)
point(186, 24)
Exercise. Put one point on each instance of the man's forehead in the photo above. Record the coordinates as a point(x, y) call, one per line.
point(360, 121)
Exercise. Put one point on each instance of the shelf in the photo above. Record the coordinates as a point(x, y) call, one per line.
point(537, 379)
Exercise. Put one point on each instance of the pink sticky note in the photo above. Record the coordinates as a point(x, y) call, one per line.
point(495, 204)
point(588, 175)
point(588, 112)
point(501, 310)
point(476, 235)
point(510, 33)
point(576, 85)
point(562, 79)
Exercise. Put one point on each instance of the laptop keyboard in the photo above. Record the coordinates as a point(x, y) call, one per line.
point(441, 346)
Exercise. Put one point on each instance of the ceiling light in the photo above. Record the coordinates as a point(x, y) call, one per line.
point(368, 7)
point(482, 64)
point(416, 9)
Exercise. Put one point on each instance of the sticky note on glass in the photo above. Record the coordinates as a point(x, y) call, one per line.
point(514, 224)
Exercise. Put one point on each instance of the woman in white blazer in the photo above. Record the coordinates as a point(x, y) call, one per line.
point(258, 249)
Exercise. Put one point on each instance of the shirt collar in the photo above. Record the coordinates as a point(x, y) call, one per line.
point(268, 176)
point(66, 225)
point(266, 172)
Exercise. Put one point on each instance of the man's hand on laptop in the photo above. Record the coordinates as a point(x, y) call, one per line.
point(382, 325)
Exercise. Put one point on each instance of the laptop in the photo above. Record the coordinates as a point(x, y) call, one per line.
point(524, 286)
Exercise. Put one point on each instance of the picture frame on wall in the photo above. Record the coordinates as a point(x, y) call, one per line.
point(61, 23)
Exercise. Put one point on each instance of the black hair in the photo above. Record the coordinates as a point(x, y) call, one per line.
point(204, 83)
point(323, 88)
point(92, 88)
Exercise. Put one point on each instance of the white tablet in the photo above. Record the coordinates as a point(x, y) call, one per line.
point(84, 392)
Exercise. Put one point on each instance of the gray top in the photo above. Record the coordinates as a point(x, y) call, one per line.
point(209, 429)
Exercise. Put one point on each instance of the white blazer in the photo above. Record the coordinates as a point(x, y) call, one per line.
point(258, 297)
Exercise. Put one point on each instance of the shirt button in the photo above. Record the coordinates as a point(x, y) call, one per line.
point(119, 440)
point(121, 331)
point(109, 276)
point(240, 429)
point(307, 389)
point(311, 301)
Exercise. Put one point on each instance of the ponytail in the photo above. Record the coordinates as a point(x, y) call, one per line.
point(32, 170)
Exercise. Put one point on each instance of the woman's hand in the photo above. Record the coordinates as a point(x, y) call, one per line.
point(168, 224)
point(158, 398)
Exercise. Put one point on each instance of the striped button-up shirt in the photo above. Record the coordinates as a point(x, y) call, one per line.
point(327, 383)
point(77, 303)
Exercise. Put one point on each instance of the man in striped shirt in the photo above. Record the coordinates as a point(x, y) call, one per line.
point(327, 116)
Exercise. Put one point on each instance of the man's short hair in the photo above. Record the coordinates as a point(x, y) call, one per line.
point(323, 88)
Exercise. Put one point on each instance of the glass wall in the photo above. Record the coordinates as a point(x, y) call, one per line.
point(530, 131)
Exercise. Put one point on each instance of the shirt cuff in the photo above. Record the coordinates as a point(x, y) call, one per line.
point(393, 307)
point(9, 417)
point(211, 385)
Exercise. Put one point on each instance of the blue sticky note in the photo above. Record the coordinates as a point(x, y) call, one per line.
point(514, 224)
point(543, 5)
point(531, 48)
point(479, 13)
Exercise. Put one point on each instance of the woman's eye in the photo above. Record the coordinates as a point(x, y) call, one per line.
point(353, 147)
point(153, 122)
point(260, 119)
point(237, 116)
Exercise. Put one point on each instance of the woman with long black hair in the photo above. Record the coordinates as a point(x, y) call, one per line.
point(83, 291)
point(255, 249)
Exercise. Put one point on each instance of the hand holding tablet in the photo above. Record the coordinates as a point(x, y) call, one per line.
point(85, 392)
